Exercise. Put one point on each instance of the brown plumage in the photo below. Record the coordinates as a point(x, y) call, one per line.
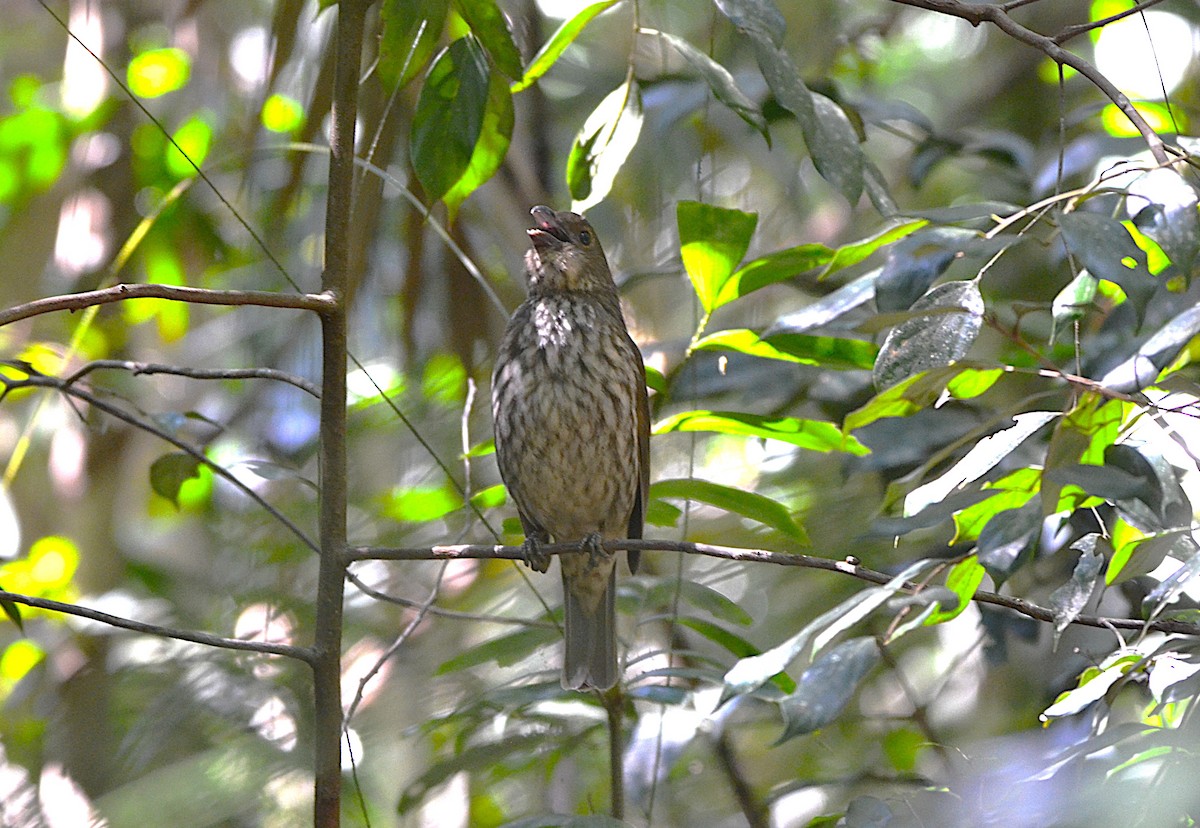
point(572, 429)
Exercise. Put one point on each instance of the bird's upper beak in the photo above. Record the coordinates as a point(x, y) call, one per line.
point(548, 231)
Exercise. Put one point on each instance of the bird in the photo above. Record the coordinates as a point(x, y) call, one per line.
point(572, 431)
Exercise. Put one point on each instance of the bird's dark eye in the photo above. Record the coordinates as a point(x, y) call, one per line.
point(585, 237)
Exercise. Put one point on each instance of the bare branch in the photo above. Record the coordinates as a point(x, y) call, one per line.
point(207, 639)
point(319, 302)
point(976, 13)
point(441, 612)
point(848, 566)
point(1073, 31)
point(195, 373)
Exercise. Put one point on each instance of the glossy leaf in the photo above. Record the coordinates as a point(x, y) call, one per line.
point(410, 30)
point(816, 435)
point(169, 472)
point(1013, 491)
point(910, 395)
point(603, 143)
point(712, 241)
point(730, 641)
point(1093, 685)
point(1155, 354)
point(963, 580)
point(1069, 599)
point(449, 116)
point(1179, 580)
point(1106, 249)
point(1080, 437)
point(915, 262)
point(13, 611)
point(718, 78)
point(490, 27)
point(1008, 540)
point(977, 462)
point(563, 37)
point(494, 137)
point(826, 351)
point(1072, 303)
point(739, 501)
point(772, 269)
point(827, 685)
point(1174, 223)
point(825, 310)
point(925, 343)
point(855, 252)
point(1143, 554)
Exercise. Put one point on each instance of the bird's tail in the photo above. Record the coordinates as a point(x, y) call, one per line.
point(591, 657)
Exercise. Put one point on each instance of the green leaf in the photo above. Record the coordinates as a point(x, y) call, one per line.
point(827, 685)
point(747, 504)
point(420, 504)
point(409, 33)
point(1107, 250)
point(826, 351)
point(505, 650)
point(449, 116)
point(664, 590)
point(963, 580)
point(720, 636)
point(982, 458)
point(169, 472)
point(489, 25)
point(771, 269)
point(1144, 554)
point(910, 395)
point(855, 252)
point(655, 380)
point(13, 611)
point(1014, 490)
point(1170, 587)
point(712, 241)
point(1008, 540)
point(915, 263)
point(1155, 355)
point(719, 80)
point(156, 72)
point(603, 143)
point(494, 138)
point(1072, 303)
point(1081, 436)
point(816, 435)
point(553, 48)
point(927, 342)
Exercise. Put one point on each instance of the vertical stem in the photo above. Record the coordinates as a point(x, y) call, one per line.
point(327, 728)
point(614, 704)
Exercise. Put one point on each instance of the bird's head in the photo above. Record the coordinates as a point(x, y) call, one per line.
point(566, 254)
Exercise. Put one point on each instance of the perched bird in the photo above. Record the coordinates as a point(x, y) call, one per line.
point(572, 428)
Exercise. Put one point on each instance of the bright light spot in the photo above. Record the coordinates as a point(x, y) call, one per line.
point(68, 450)
point(156, 72)
point(82, 240)
point(360, 660)
point(96, 150)
point(1124, 53)
point(64, 804)
point(944, 38)
point(1161, 186)
point(18, 659)
point(275, 724)
point(562, 9)
point(361, 385)
point(799, 807)
point(264, 623)
point(249, 55)
point(351, 744)
point(448, 806)
point(282, 114)
point(85, 83)
point(10, 527)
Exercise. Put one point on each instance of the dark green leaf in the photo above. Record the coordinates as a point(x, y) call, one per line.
point(1175, 223)
point(553, 48)
point(1155, 354)
point(747, 504)
point(712, 241)
point(505, 650)
point(717, 634)
point(758, 18)
point(825, 310)
point(488, 24)
point(1107, 482)
point(914, 263)
point(13, 611)
point(1142, 555)
point(1080, 436)
point(825, 351)
point(1069, 599)
point(1008, 540)
point(409, 33)
point(602, 145)
point(1177, 581)
point(1107, 250)
point(719, 80)
point(492, 146)
point(925, 343)
point(169, 472)
point(827, 685)
point(816, 435)
point(449, 116)
point(698, 595)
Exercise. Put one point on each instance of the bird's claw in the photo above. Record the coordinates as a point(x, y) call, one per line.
point(533, 556)
point(593, 544)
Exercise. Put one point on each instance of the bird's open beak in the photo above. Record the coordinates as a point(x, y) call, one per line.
point(547, 231)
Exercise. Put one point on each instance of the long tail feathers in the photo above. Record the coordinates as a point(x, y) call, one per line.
point(591, 657)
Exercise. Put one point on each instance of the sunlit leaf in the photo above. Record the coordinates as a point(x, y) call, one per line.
point(827, 685)
point(963, 580)
point(156, 72)
point(816, 435)
point(18, 658)
point(712, 241)
point(1013, 491)
point(910, 395)
point(1103, 246)
point(1080, 437)
point(169, 472)
point(418, 504)
point(1093, 685)
point(489, 25)
point(409, 32)
point(1175, 222)
point(1155, 354)
point(449, 116)
point(193, 137)
point(925, 343)
point(553, 48)
point(747, 504)
point(494, 138)
point(826, 351)
point(772, 269)
point(855, 252)
point(719, 80)
point(603, 143)
point(1143, 554)
point(1072, 303)
point(490, 498)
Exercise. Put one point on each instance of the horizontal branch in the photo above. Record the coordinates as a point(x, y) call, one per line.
point(318, 302)
point(137, 368)
point(846, 567)
point(207, 639)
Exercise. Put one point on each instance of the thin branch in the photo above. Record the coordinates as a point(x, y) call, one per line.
point(137, 368)
point(42, 381)
point(976, 13)
point(441, 612)
point(1080, 28)
point(207, 639)
point(319, 302)
point(731, 553)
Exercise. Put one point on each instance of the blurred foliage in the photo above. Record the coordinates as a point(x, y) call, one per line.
point(906, 299)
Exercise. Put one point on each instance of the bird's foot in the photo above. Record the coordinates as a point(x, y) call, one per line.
point(593, 545)
point(533, 556)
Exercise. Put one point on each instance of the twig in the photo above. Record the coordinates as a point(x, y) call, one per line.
point(441, 612)
point(976, 13)
point(319, 302)
point(208, 639)
point(731, 553)
point(195, 373)
point(1080, 28)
